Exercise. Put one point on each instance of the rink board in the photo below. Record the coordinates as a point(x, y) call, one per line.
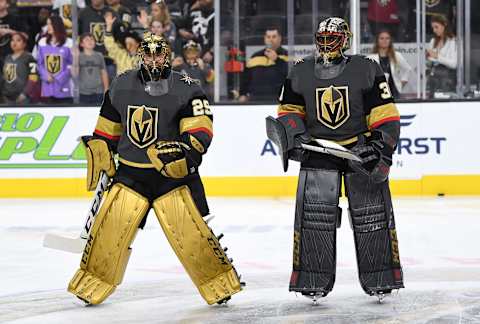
point(40, 155)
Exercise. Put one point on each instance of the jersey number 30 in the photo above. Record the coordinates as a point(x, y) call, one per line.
point(386, 93)
point(201, 107)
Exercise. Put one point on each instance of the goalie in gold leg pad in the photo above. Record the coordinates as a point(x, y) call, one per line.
point(108, 248)
point(196, 246)
point(159, 124)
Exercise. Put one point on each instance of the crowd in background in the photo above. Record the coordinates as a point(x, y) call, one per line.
point(41, 63)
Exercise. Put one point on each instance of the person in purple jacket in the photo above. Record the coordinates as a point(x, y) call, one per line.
point(54, 62)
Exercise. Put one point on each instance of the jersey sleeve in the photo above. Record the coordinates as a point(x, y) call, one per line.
point(196, 121)
point(109, 126)
point(290, 100)
point(382, 113)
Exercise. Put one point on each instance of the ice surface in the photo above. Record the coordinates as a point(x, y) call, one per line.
point(439, 240)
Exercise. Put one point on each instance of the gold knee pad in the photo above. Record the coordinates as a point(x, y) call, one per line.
point(107, 251)
point(196, 246)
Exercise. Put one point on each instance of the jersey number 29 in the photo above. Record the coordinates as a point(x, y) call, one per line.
point(201, 107)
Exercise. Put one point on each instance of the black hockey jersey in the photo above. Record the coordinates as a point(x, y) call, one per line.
point(354, 102)
point(132, 120)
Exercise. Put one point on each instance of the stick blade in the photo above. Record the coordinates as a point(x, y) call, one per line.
point(67, 244)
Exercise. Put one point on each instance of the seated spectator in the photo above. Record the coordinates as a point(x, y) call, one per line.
point(266, 70)
point(193, 65)
point(54, 63)
point(18, 69)
point(441, 58)
point(92, 72)
point(125, 55)
point(394, 65)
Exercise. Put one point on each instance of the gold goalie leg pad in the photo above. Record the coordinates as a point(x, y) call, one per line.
point(107, 251)
point(196, 246)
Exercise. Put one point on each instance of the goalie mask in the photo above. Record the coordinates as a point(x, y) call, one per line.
point(155, 67)
point(332, 39)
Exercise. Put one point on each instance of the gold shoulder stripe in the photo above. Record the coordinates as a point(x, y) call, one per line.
point(290, 108)
point(109, 127)
point(259, 61)
point(379, 113)
point(192, 123)
point(283, 57)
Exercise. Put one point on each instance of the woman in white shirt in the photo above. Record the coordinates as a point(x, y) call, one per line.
point(441, 57)
point(394, 65)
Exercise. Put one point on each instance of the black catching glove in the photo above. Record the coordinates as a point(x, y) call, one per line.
point(376, 154)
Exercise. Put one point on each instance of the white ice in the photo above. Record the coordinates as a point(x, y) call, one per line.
point(439, 240)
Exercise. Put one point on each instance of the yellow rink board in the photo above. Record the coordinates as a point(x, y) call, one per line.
point(244, 186)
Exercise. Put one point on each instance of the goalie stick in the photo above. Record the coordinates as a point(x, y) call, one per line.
point(76, 245)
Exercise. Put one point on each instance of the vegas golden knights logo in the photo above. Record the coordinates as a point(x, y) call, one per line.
point(10, 72)
point(53, 63)
point(142, 125)
point(98, 31)
point(332, 106)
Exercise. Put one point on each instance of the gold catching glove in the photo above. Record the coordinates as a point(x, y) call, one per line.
point(169, 158)
point(99, 158)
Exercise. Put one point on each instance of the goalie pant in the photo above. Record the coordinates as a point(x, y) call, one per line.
point(179, 206)
point(317, 216)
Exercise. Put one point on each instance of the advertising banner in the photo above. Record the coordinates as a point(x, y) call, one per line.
point(44, 142)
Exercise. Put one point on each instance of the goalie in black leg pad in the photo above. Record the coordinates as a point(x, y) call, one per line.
point(345, 99)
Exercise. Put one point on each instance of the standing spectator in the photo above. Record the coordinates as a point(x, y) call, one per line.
point(9, 25)
point(54, 63)
point(123, 15)
point(125, 56)
point(19, 68)
point(383, 15)
point(441, 57)
point(394, 65)
point(445, 8)
point(63, 8)
point(193, 65)
point(91, 20)
point(161, 13)
point(266, 70)
point(198, 24)
point(93, 77)
point(39, 29)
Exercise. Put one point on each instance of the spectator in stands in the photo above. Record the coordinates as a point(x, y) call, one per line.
point(18, 69)
point(445, 8)
point(161, 13)
point(91, 20)
point(394, 65)
point(441, 57)
point(266, 70)
point(9, 25)
point(93, 77)
point(198, 25)
point(122, 13)
point(39, 30)
point(383, 15)
point(54, 63)
point(63, 8)
point(125, 55)
point(193, 65)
